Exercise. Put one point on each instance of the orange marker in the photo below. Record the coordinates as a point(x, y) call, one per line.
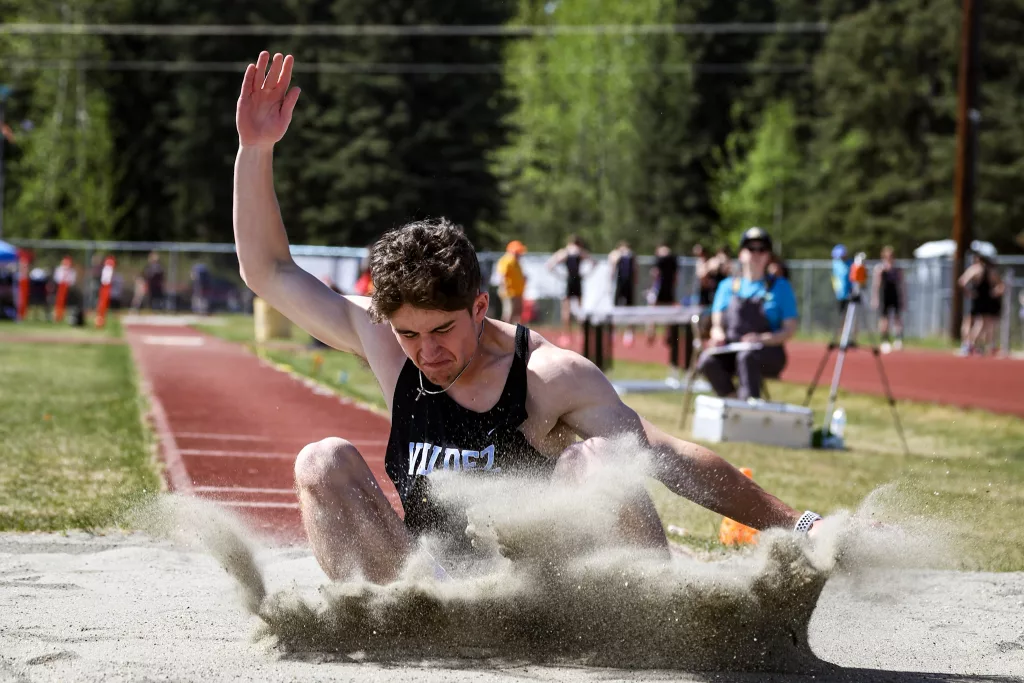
point(732, 532)
point(63, 278)
point(24, 263)
point(106, 277)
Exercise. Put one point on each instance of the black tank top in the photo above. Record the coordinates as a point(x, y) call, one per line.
point(434, 433)
point(890, 283)
point(983, 287)
point(624, 270)
point(572, 264)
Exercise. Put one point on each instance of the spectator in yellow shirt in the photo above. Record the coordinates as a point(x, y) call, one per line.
point(513, 282)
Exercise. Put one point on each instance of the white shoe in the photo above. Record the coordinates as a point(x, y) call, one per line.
point(898, 345)
point(886, 347)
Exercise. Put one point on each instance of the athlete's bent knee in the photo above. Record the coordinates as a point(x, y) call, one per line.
point(322, 461)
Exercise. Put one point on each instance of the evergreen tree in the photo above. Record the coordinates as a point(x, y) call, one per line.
point(881, 157)
point(61, 171)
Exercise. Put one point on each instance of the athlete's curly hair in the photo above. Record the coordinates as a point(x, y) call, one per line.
point(429, 264)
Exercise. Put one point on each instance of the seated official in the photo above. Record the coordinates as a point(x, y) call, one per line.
point(751, 307)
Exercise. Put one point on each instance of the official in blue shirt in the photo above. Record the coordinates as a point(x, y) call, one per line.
point(841, 276)
point(753, 307)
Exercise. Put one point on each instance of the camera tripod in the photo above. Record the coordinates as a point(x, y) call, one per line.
point(847, 340)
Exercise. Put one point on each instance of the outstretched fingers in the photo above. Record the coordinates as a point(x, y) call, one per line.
point(275, 72)
point(286, 73)
point(248, 80)
point(261, 69)
point(288, 105)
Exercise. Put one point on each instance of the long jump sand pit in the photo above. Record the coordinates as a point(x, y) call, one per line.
point(196, 598)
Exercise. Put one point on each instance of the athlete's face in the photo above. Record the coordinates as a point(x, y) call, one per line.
point(440, 343)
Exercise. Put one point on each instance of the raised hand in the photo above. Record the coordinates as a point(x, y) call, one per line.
point(265, 104)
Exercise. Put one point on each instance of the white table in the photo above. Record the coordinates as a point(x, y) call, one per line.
point(599, 330)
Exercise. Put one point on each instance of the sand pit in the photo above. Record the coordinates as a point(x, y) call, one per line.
point(128, 607)
point(552, 595)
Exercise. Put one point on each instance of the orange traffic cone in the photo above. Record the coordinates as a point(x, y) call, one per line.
point(732, 532)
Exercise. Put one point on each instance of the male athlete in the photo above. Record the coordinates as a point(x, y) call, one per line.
point(465, 392)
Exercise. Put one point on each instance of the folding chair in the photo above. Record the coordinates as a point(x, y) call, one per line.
point(692, 372)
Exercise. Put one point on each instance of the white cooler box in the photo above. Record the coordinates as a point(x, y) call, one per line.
point(775, 424)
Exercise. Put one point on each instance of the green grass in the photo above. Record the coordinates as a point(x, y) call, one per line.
point(867, 336)
point(73, 450)
point(966, 466)
point(37, 328)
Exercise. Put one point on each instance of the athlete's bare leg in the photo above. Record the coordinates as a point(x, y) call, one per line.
point(639, 522)
point(566, 319)
point(348, 519)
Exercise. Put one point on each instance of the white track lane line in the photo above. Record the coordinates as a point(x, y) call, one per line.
point(203, 452)
point(237, 454)
point(221, 437)
point(243, 489)
point(244, 504)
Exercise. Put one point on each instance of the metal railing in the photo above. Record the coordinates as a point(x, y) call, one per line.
point(928, 281)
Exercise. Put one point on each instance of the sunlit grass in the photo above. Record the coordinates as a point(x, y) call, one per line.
point(73, 450)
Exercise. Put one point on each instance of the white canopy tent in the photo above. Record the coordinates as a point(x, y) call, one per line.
point(947, 248)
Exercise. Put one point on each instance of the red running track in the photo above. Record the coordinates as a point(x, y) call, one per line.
point(994, 384)
point(230, 426)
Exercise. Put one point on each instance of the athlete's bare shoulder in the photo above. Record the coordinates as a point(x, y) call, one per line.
point(555, 375)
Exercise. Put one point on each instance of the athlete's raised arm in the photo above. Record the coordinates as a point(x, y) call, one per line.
point(264, 111)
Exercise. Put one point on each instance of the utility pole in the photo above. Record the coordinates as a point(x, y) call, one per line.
point(4, 92)
point(968, 117)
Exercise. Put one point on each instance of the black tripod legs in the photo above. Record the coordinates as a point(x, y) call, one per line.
point(817, 375)
point(891, 398)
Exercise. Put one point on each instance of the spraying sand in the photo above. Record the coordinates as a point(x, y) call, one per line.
point(552, 591)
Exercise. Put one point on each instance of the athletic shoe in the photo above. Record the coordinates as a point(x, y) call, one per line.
point(898, 345)
point(886, 347)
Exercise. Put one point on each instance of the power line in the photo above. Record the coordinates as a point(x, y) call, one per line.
point(496, 30)
point(391, 68)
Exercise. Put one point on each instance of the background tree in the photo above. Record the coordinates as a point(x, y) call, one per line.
point(61, 171)
point(757, 177)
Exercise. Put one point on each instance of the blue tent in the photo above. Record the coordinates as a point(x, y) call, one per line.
point(8, 252)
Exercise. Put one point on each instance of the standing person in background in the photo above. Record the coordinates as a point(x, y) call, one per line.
point(1020, 314)
point(512, 285)
point(200, 288)
point(842, 286)
point(666, 274)
point(985, 287)
point(153, 273)
point(889, 298)
point(706, 271)
point(622, 262)
point(572, 255)
point(138, 293)
point(721, 268)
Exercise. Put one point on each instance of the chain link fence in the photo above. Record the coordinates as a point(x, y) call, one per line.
point(928, 282)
